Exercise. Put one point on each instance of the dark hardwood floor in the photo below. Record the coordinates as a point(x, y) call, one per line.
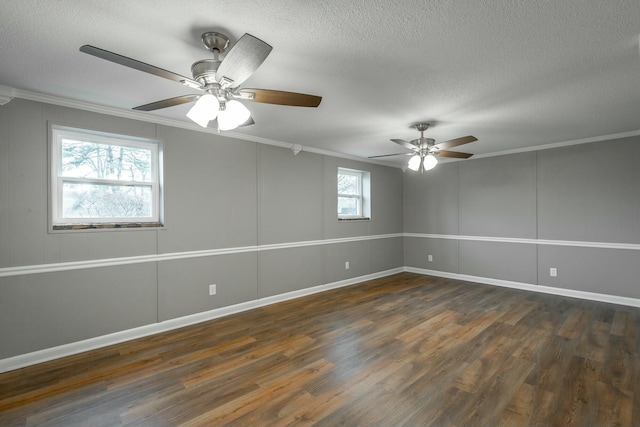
point(403, 350)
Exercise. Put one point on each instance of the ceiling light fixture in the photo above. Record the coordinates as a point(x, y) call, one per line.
point(425, 151)
point(204, 110)
point(415, 162)
point(422, 162)
point(232, 114)
point(429, 162)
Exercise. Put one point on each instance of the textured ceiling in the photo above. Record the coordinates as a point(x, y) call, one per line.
point(515, 74)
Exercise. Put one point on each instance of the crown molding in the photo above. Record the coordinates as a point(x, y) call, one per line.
point(609, 137)
point(145, 117)
point(6, 94)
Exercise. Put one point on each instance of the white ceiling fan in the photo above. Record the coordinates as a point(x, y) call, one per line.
point(219, 79)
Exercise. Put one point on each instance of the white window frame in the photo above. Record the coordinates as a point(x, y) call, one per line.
point(58, 133)
point(363, 205)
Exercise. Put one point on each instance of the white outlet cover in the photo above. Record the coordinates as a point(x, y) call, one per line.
point(346, 265)
point(430, 258)
point(553, 272)
point(212, 289)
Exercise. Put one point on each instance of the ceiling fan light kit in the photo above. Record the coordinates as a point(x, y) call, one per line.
point(219, 79)
point(232, 114)
point(414, 162)
point(425, 152)
point(426, 163)
point(204, 110)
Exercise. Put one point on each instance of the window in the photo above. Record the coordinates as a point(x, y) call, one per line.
point(103, 179)
point(353, 194)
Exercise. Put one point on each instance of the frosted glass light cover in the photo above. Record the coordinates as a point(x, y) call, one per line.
point(204, 110)
point(233, 115)
point(430, 162)
point(414, 163)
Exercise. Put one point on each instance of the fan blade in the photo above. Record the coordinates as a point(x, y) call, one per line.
point(242, 61)
point(455, 154)
point(141, 66)
point(178, 100)
point(455, 142)
point(389, 155)
point(404, 143)
point(280, 97)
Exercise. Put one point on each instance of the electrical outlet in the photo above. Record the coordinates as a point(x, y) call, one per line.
point(553, 272)
point(430, 258)
point(346, 265)
point(212, 289)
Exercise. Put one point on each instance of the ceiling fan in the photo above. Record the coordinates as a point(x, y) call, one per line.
point(424, 150)
point(219, 79)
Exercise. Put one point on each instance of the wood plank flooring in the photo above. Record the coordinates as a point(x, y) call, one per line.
point(402, 350)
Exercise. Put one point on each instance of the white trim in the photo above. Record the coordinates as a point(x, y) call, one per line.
point(110, 262)
point(561, 144)
point(146, 117)
point(6, 94)
point(59, 133)
point(572, 243)
point(47, 354)
point(359, 196)
point(612, 299)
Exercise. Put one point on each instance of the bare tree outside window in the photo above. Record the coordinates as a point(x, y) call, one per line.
point(349, 193)
point(116, 171)
point(103, 179)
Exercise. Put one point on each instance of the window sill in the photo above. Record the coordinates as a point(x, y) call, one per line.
point(364, 218)
point(108, 226)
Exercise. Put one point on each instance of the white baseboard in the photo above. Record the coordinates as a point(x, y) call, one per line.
point(57, 352)
point(52, 353)
point(613, 299)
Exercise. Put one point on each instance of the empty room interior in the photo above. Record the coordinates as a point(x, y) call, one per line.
point(420, 213)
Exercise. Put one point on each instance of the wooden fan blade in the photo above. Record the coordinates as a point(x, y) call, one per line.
point(455, 142)
point(280, 97)
point(455, 154)
point(242, 61)
point(389, 155)
point(404, 143)
point(178, 100)
point(137, 65)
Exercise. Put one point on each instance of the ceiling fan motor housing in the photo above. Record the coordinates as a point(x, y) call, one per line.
point(204, 71)
point(424, 143)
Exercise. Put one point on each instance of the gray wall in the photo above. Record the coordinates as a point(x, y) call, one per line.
point(580, 193)
point(220, 193)
point(224, 193)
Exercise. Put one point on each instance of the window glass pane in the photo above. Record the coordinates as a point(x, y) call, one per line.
point(81, 159)
point(84, 200)
point(348, 206)
point(348, 184)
